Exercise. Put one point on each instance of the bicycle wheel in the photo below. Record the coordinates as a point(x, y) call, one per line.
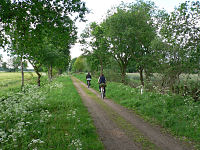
point(102, 92)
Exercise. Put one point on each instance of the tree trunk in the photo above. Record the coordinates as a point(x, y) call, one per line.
point(39, 76)
point(123, 73)
point(174, 81)
point(60, 71)
point(22, 72)
point(101, 63)
point(36, 68)
point(141, 76)
point(50, 74)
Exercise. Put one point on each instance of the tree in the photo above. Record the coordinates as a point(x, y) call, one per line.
point(79, 64)
point(56, 57)
point(16, 63)
point(98, 42)
point(28, 23)
point(72, 63)
point(180, 31)
point(132, 67)
point(4, 66)
point(129, 30)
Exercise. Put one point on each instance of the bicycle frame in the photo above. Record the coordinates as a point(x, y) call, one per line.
point(88, 83)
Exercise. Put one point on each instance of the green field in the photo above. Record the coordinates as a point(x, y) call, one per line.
point(156, 77)
point(50, 117)
point(12, 81)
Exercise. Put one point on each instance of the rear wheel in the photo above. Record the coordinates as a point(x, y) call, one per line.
point(88, 83)
point(102, 92)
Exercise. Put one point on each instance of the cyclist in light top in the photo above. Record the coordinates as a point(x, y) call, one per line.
point(102, 80)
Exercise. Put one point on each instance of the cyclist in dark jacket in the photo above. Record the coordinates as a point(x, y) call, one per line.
point(88, 78)
point(101, 80)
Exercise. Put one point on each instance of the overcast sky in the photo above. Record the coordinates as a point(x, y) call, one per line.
point(98, 11)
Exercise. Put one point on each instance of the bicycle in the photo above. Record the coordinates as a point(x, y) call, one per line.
point(102, 85)
point(88, 82)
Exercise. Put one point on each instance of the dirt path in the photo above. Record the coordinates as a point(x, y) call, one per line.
point(121, 129)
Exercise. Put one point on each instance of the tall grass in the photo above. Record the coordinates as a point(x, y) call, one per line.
point(178, 114)
point(50, 117)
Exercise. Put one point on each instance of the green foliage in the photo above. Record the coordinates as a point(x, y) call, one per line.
point(4, 66)
point(39, 119)
point(98, 57)
point(41, 31)
point(133, 80)
point(188, 85)
point(180, 30)
point(72, 63)
point(129, 29)
point(80, 65)
point(142, 38)
point(112, 75)
point(16, 63)
point(174, 112)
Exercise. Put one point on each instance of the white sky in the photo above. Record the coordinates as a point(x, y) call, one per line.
point(98, 11)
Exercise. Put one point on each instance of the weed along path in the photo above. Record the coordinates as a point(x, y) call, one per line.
point(120, 129)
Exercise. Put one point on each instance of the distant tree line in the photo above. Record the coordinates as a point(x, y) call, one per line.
point(12, 65)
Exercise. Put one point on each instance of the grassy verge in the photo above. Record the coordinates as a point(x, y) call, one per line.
point(50, 117)
point(179, 115)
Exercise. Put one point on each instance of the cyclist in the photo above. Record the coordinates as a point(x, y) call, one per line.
point(102, 82)
point(88, 78)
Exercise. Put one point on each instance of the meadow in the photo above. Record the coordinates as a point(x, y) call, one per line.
point(176, 114)
point(48, 117)
point(135, 77)
point(11, 81)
